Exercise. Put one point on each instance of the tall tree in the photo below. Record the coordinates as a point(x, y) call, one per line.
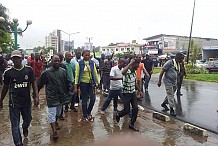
point(195, 50)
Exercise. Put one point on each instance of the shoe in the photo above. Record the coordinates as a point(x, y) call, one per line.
point(55, 136)
point(90, 118)
point(102, 112)
point(85, 120)
point(117, 118)
point(66, 110)
point(76, 104)
point(25, 133)
point(133, 128)
point(74, 110)
point(165, 107)
point(172, 113)
point(61, 117)
point(57, 126)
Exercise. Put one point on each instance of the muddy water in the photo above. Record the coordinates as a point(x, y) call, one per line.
point(75, 132)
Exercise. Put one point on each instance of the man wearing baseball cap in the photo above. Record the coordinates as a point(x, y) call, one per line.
point(18, 80)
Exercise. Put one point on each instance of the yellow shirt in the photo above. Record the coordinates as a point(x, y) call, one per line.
point(86, 73)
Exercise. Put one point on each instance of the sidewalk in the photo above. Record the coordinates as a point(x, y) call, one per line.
point(74, 132)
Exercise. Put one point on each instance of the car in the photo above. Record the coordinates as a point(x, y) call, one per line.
point(212, 66)
point(155, 61)
point(201, 63)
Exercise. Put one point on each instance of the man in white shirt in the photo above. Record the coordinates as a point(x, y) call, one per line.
point(115, 85)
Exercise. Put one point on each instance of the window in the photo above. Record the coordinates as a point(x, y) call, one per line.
point(103, 49)
point(128, 49)
point(132, 49)
point(116, 49)
point(122, 49)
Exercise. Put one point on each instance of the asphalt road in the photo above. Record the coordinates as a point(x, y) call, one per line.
point(198, 105)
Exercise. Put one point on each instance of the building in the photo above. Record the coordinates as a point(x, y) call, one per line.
point(54, 40)
point(163, 44)
point(68, 46)
point(121, 48)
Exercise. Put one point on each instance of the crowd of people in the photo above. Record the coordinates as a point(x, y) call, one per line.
point(69, 79)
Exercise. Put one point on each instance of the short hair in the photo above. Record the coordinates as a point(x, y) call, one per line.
point(179, 55)
point(85, 51)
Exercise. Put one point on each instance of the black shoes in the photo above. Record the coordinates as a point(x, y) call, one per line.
point(57, 126)
point(25, 133)
point(55, 136)
point(117, 118)
point(61, 117)
point(133, 128)
point(172, 113)
point(165, 107)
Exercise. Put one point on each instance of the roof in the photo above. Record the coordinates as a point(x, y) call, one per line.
point(164, 35)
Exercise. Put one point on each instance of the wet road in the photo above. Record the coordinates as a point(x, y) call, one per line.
point(74, 132)
point(198, 105)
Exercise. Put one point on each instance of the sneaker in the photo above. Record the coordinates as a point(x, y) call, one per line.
point(165, 107)
point(85, 120)
point(61, 117)
point(117, 118)
point(102, 112)
point(76, 104)
point(25, 133)
point(90, 118)
point(133, 128)
point(74, 110)
point(55, 136)
point(172, 113)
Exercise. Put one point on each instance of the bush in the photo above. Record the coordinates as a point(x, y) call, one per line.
point(194, 69)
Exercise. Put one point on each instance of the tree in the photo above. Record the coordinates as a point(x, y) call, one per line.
point(195, 50)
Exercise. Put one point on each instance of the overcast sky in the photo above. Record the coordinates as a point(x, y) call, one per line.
point(111, 21)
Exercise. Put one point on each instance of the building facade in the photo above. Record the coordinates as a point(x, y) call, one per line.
point(163, 44)
point(121, 48)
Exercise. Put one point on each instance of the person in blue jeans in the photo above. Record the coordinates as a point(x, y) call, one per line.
point(116, 85)
point(18, 80)
point(87, 79)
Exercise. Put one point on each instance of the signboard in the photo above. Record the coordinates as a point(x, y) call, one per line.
point(88, 46)
point(169, 43)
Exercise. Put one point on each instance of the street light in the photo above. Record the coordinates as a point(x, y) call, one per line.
point(190, 37)
point(15, 31)
point(69, 34)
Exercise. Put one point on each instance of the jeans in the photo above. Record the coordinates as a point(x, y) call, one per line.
point(106, 82)
point(179, 84)
point(86, 91)
point(112, 94)
point(147, 80)
point(15, 113)
point(127, 99)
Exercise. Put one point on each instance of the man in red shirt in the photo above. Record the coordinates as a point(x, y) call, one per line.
point(37, 66)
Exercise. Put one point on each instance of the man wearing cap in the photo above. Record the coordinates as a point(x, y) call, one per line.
point(18, 80)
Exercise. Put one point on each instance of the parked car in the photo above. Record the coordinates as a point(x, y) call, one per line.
point(201, 63)
point(155, 61)
point(212, 66)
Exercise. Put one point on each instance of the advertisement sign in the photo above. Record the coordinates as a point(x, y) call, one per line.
point(169, 43)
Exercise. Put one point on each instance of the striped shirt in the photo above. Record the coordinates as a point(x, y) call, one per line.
point(129, 82)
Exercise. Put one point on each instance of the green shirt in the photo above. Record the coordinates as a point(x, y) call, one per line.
point(70, 67)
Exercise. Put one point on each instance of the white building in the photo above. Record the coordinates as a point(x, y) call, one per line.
point(121, 48)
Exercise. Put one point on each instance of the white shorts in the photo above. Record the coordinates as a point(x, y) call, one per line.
point(53, 112)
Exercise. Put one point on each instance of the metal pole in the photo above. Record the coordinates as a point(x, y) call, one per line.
point(69, 42)
point(15, 36)
point(189, 44)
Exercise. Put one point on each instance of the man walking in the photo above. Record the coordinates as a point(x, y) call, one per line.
point(18, 80)
point(58, 91)
point(129, 95)
point(170, 71)
point(116, 78)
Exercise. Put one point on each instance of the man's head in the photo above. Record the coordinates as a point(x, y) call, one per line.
point(78, 54)
point(135, 65)
point(37, 57)
point(147, 56)
point(56, 61)
point(86, 55)
point(106, 62)
point(16, 57)
point(61, 56)
point(102, 56)
point(139, 56)
point(32, 55)
point(122, 63)
point(179, 57)
point(68, 57)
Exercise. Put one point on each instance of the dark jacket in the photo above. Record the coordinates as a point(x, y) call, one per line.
point(58, 86)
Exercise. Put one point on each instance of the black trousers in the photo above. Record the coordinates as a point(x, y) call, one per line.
point(127, 99)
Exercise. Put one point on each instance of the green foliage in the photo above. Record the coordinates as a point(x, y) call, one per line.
point(192, 69)
point(195, 50)
point(156, 70)
point(203, 77)
point(6, 43)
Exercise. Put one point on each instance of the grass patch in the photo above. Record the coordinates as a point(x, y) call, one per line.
point(156, 70)
point(203, 77)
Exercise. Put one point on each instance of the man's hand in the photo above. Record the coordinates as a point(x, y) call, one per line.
point(36, 100)
point(159, 83)
point(132, 61)
point(1, 104)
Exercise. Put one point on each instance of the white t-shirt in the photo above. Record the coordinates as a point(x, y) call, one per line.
point(116, 73)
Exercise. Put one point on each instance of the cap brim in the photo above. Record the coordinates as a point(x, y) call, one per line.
point(16, 56)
